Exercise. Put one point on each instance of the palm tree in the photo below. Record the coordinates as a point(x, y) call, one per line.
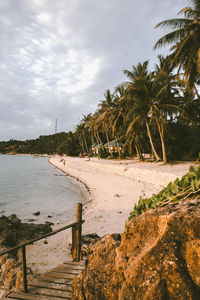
point(139, 91)
point(105, 115)
point(79, 132)
point(89, 126)
point(163, 92)
point(185, 40)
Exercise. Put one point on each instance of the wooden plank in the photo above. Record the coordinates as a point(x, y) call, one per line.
point(60, 275)
point(49, 292)
point(65, 271)
point(28, 296)
point(75, 263)
point(65, 266)
point(52, 285)
point(57, 280)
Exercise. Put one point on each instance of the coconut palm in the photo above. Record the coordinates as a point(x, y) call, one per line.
point(164, 95)
point(89, 126)
point(139, 93)
point(105, 114)
point(185, 40)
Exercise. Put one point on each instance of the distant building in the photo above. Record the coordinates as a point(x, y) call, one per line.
point(96, 147)
point(114, 146)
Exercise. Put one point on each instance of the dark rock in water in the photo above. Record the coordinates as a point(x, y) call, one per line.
point(49, 223)
point(13, 231)
point(30, 220)
point(14, 220)
point(158, 257)
point(37, 213)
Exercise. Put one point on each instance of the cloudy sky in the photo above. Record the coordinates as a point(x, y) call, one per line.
point(57, 57)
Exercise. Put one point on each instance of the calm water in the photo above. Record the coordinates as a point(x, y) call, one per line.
point(28, 185)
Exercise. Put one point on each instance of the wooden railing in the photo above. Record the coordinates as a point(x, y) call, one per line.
point(76, 243)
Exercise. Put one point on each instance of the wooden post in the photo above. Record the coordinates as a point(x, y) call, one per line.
point(79, 230)
point(76, 234)
point(74, 246)
point(24, 271)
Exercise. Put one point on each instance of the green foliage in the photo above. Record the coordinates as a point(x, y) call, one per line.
point(61, 143)
point(103, 152)
point(178, 190)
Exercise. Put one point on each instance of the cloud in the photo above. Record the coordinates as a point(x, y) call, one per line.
point(58, 57)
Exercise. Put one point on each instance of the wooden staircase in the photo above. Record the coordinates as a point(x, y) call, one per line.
point(52, 285)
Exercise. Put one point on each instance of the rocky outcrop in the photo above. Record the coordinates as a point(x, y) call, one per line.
point(158, 257)
point(12, 233)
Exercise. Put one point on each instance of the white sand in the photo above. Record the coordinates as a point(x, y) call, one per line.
point(115, 186)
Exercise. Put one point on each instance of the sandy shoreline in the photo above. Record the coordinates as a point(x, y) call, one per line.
point(114, 187)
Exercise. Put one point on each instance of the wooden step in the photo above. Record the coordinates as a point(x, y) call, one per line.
point(28, 296)
point(52, 285)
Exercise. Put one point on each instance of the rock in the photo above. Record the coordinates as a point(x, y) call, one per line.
point(11, 273)
point(37, 213)
point(14, 220)
point(30, 220)
point(13, 232)
point(88, 240)
point(49, 223)
point(158, 258)
point(116, 195)
point(95, 279)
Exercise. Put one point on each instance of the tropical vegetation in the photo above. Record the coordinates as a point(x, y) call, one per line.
point(181, 189)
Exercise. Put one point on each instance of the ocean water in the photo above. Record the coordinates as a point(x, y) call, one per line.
point(29, 184)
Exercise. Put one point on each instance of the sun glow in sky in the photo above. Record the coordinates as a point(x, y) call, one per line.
point(57, 58)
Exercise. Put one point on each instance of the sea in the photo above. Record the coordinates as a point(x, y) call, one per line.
point(30, 184)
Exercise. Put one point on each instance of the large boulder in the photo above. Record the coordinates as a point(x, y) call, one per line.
point(158, 258)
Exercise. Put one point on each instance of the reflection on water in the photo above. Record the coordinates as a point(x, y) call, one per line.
point(28, 185)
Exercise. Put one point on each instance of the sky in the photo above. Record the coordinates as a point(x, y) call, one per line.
point(58, 57)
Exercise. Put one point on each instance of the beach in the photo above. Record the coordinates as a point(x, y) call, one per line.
point(113, 187)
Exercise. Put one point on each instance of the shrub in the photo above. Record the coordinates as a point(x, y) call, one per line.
point(180, 189)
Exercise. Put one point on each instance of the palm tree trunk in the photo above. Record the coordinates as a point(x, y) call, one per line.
point(108, 141)
point(151, 142)
point(92, 138)
point(81, 143)
point(84, 138)
point(161, 132)
point(118, 148)
point(138, 150)
point(99, 138)
point(96, 137)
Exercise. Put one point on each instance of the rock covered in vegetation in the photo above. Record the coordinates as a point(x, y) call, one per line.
point(12, 233)
point(158, 258)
